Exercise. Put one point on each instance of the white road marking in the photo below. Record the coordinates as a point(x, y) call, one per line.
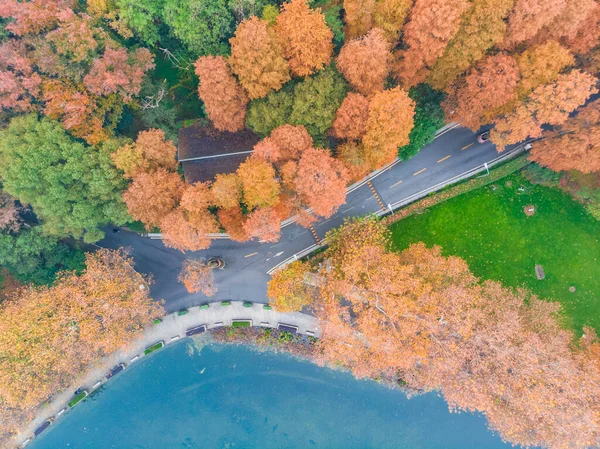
point(250, 255)
point(394, 185)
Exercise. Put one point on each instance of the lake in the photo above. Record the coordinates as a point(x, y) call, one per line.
point(231, 397)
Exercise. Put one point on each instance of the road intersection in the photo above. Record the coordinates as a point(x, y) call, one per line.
point(454, 153)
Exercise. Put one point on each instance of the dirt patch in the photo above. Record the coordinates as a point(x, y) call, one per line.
point(529, 210)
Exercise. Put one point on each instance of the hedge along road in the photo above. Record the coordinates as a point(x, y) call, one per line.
point(172, 328)
point(454, 152)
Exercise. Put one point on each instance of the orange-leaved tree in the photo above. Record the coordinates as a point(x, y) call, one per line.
point(351, 118)
point(568, 22)
point(291, 140)
point(119, 71)
point(390, 121)
point(260, 188)
point(575, 146)
point(197, 276)
point(224, 99)
point(50, 335)
point(541, 64)
point(490, 84)
point(472, 41)
point(153, 195)
point(185, 231)
point(267, 150)
point(257, 58)
point(264, 224)
point(431, 25)
point(548, 104)
point(290, 288)
point(588, 34)
point(233, 220)
point(530, 16)
point(150, 151)
point(358, 15)
point(227, 190)
point(321, 181)
point(364, 62)
point(307, 40)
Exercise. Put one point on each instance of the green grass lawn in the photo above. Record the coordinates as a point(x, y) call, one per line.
point(489, 229)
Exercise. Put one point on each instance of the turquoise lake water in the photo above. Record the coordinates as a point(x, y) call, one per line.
point(231, 397)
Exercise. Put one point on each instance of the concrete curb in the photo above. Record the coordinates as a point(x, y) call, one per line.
point(171, 329)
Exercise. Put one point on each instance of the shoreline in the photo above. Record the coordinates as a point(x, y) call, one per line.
point(171, 329)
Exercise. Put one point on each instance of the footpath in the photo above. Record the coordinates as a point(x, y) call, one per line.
point(172, 328)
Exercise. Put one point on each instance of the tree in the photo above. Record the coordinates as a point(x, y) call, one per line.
point(233, 220)
point(267, 150)
point(588, 34)
point(430, 27)
point(425, 321)
point(289, 288)
point(197, 197)
point(10, 213)
point(204, 26)
point(31, 256)
point(321, 181)
point(488, 86)
point(471, 42)
point(567, 23)
point(548, 104)
point(76, 39)
point(260, 188)
point(291, 141)
point(541, 64)
point(119, 71)
point(390, 121)
point(257, 58)
point(305, 36)
point(224, 99)
point(34, 16)
point(390, 15)
point(333, 18)
point(429, 117)
point(73, 190)
point(530, 16)
point(364, 62)
point(149, 152)
point(315, 101)
point(264, 224)
point(227, 191)
point(142, 17)
point(266, 114)
point(152, 196)
point(197, 276)
point(352, 155)
point(244, 9)
point(186, 231)
point(85, 116)
point(358, 17)
point(576, 146)
point(351, 117)
point(70, 325)
point(19, 84)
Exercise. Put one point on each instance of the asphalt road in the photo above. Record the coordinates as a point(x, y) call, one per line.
point(245, 274)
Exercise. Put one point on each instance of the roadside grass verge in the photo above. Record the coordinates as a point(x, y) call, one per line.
point(489, 229)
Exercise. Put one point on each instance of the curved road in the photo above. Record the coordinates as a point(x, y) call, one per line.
point(245, 277)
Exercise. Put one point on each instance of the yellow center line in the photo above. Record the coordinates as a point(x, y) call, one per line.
point(394, 185)
point(420, 171)
point(443, 159)
point(250, 255)
point(467, 146)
